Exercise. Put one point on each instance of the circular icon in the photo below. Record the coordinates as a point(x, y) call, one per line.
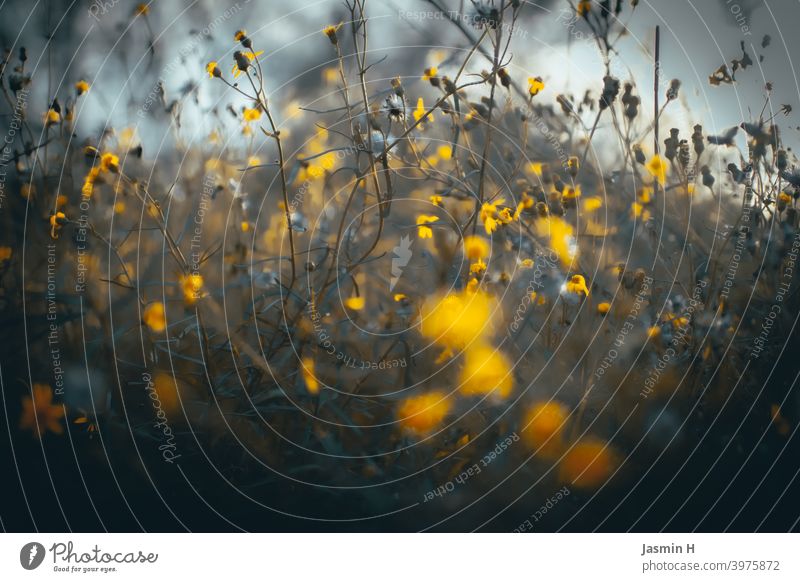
point(31, 555)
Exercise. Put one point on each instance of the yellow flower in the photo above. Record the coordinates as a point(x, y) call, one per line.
point(155, 317)
point(57, 220)
point(52, 117)
point(489, 216)
point(535, 168)
point(109, 163)
point(445, 152)
point(603, 308)
point(657, 166)
point(39, 414)
point(639, 211)
point(584, 6)
point(400, 297)
point(420, 414)
point(240, 35)
point(646, 194)
point(526, 263)
point(588, 464)
point(425, 231)
point(486, 371)
point(166, 388)
point(543, 427)
point(212, 69)
point(535, 86)
point(435, 199)
point(81, 87)
point(430, 73)
point(242, 60)
point(330, 31)
point(309, 376)
point(653, 331)
point(253, 114)
point(477, 268)
point(571, 193)
point(592, 204)
point(475, 247)
point(419, 112)
point(457, 319)
point(5, 254)
point(355, 303)
point(577, 285)
point(142, 9)
point(561, 237)
point(192, 288)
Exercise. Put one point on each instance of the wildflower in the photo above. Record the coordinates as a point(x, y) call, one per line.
point(5, 254)
point(400, 297)
point(253, 114)
point(212, 69)
point(192, 288)
point(425, 231)
point(603, 308)
point(561, 237)
point(485, 371)
point(657, 166)
point(489, 216)
point(430, 74)
point(543, 427)
point(52, 117)
point(575, 288)
point(81, 87)
point(457, 319)
point(584, 6)
point(477, 268)
point(142, 9)
point(570, 194)
point(241, 36)
point(309, 377)
point(436, 200)
point(420, 414)
point(505, 78)
point(419, 112)
point(330, 31)
point(653, 331)
point(646, 194)
point(784, 200)
point(592, 204)
point(166, 388)
point(245, 226)
point(588, 464)
point(639, 211)
point(355, 303)
point(39, 414)
point(57, 220)
point(535, 168)
point(155, 317)
point(475, 247)
point(526, 263)
point(535, 86)
point(242, 60)
point(109, 163)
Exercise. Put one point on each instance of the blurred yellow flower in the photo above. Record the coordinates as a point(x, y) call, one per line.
point(422, 230)
point(355, 303)
point(657, 166)
point(476, 247)
point(81, 87)
point(52, 117)
point(39, 414)
point(430, 73)
point(155, 317)
point(5, 253)
point(309, 375)
point(253, 114)
point(213, 70)
point(588, 464)
point(486, 371)
point(561, 237)
point(543, 426)
point(603, 308)
point(330, 31)
point(457, 319)
point(420, 414)
point(192, 288)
